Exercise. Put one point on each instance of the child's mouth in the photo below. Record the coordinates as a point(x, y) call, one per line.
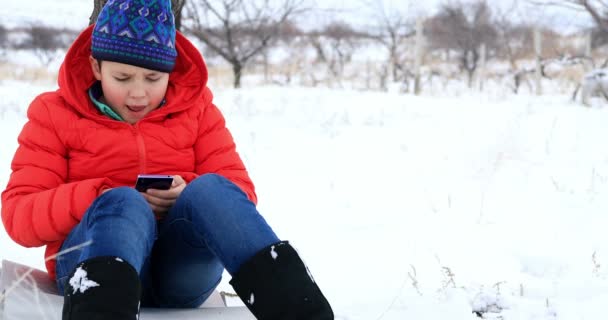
point(136, 108)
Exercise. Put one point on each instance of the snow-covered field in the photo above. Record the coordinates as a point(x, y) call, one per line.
point(407, 207)
point(418, 207)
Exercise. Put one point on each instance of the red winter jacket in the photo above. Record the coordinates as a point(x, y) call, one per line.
point(68, 151)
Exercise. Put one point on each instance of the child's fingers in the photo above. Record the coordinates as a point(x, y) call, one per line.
point(163, 194)
point(161, 202)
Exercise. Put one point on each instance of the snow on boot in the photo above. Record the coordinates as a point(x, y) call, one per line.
point(102, 288)
point(275, 284)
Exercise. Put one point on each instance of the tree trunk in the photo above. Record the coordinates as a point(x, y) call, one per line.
point(538, 53)
point(237, 69)
point(98, 4)
point(469, 64)
point(470, 74)
point(176, 5)
point(418, 55)
point(394, 64)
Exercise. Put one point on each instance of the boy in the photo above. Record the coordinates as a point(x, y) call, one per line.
point(132, 99)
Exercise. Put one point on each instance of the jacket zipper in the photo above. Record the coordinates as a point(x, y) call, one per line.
point(141, 147)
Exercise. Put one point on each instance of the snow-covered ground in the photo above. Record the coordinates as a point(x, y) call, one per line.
point(406, 207)
point(411, 207)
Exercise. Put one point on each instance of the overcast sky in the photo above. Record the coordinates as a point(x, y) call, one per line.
point(358, 12)
point(75, 13)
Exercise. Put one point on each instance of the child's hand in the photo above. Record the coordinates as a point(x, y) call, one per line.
point(162, 200)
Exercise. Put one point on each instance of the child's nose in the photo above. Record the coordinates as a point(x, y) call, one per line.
point(137, 92)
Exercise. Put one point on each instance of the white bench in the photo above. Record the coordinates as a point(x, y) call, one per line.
point(36, 298)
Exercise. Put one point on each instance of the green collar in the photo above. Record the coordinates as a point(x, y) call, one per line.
point(95, 93)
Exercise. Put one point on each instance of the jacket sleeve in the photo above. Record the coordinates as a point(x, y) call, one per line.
point(38, 206)
point(216, 151)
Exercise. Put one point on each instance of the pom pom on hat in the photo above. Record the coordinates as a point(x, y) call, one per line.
point(136, 32)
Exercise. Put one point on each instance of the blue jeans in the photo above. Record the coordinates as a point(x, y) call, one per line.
point(180, 259)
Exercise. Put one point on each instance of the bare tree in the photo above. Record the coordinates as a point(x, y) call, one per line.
point(596, 9)
point(3, 41)
point(176, 7)
point(391, 29)
point(45, 42)
point(514, 39)
point(3, 36)
point(335, 46)
point(463, 27)
point(296, 61)
point(239, 30)
point(290, 39)
point(513, 43)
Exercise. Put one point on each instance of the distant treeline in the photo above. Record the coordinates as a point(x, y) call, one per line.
point(36, 36)
point(459, 39)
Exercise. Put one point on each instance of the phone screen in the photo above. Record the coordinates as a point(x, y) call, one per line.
point(153, 181)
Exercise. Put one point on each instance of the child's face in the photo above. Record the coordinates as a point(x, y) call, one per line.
point(129, 90)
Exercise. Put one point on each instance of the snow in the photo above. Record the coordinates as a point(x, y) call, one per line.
point(407, 207)
point(80, 282)
point(273, 253)
point(418, 207)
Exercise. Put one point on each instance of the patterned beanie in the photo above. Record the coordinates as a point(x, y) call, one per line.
point(136, 32)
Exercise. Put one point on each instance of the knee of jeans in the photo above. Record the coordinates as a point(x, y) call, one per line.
point(210, 187)
point(209, 180)
point(125, 194)
point(127, 204)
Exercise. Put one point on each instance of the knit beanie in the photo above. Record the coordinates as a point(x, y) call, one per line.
point(136, 32)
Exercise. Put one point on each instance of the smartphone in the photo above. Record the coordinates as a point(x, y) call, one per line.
point(153, 181)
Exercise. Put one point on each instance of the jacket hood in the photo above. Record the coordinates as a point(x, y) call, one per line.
point(187, 81)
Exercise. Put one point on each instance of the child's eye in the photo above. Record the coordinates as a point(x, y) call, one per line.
point(121, 79)
point(153, 79)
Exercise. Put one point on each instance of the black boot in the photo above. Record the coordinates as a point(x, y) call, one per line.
point(102, 288)
point(276, 285)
